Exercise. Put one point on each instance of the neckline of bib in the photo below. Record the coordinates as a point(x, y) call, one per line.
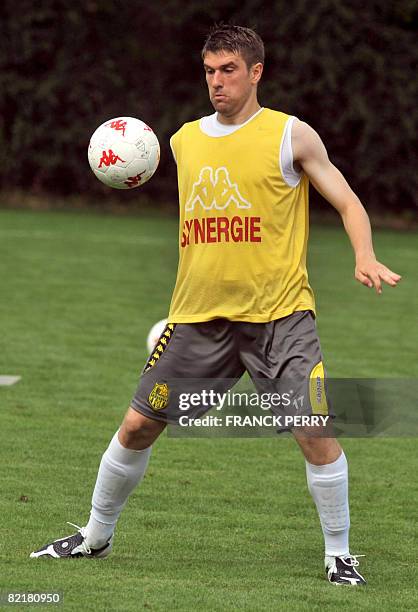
point(236, 127)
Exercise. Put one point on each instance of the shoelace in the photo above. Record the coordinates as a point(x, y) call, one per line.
point(349, 560)
point(354, 562)
point(83, 545)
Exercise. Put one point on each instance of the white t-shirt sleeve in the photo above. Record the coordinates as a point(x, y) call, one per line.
point(290, 175)
point(172, 150)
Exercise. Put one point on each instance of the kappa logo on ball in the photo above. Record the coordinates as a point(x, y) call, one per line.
point(133, 181)
point(117, 124)
point(214, 189)
point(109, 158)
point(158, 398)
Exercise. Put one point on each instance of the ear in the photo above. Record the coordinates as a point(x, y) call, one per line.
point(256, 72)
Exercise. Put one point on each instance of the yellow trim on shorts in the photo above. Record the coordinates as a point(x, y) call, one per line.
point(317, 393)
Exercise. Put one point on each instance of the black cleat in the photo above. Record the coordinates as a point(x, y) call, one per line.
point(71, 547)
point(342, 570)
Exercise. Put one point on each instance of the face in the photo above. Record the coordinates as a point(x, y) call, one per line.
point(231, 84)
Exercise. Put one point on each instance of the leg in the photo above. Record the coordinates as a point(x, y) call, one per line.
point(317, 449)
point(282, 355)
point(196, 351)
point(138, 432)
point(327, 476)
point(125, 461)
point(122, 468)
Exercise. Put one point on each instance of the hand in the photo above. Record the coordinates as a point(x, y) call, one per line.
point(371, 273)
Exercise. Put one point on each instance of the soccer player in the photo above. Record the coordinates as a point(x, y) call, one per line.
point(242, 300)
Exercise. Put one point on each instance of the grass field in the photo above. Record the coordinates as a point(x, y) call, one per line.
point(217, 525)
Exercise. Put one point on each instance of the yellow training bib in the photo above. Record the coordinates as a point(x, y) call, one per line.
point(243, 230)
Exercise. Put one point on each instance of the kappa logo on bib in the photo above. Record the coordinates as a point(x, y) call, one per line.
point(214, 189)
point(158, 398)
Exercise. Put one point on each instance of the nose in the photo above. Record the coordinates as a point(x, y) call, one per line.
point(217, 79)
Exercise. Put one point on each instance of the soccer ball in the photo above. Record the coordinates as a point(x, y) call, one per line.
point(155, 333)
point(124, 153)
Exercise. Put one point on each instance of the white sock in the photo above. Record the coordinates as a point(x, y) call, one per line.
point(328, 485)
point(121, 469)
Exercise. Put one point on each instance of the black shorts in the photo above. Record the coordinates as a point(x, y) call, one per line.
point(284, 354)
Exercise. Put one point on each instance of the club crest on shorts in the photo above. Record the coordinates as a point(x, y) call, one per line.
point(158, 398)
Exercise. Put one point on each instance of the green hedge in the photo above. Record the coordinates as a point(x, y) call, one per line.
point(349, 69)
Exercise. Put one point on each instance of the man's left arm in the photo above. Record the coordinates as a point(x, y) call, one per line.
point(310, 154)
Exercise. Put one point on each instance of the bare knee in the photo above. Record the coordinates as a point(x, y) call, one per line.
point(318, 450)
point(138, 431)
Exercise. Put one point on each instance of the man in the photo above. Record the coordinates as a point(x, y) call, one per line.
point(242, 299)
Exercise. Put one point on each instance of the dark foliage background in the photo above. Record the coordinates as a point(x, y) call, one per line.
point(348, 69)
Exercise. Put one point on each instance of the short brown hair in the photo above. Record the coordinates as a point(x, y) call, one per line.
point(235, 39)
